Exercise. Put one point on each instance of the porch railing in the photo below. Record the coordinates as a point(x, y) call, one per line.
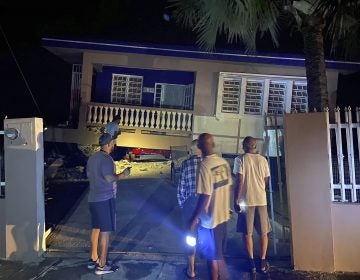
point(140, 117)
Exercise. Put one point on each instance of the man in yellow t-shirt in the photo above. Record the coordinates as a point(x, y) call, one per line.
point(212, 211)
point(252, 171)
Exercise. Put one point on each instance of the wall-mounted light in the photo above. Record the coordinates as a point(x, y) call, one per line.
point(11, 133)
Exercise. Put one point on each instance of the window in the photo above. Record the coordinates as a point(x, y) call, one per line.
point(299, 100)
point(175, 96)
point(231, 96)
point(253, 94)
point(253, 97)
point(126, 89)
point(277, 93)
point(188, 97)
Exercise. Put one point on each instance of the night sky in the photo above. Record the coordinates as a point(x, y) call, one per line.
point(26, 22)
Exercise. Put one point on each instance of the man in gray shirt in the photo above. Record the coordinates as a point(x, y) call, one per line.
point(101, 173)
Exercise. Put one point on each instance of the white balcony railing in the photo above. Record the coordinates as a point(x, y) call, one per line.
point(140, 117)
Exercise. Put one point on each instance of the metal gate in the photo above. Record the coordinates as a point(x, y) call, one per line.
point(274, 152)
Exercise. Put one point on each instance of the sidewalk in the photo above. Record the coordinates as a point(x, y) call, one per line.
point(137, 266)
point(147, 244)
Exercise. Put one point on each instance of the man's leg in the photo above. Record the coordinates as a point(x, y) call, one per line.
point(213, 268)
point(191, 265)
point(264, 241)
point(104, 246)
point(250, 246)
point(250, 216)
point(94, 239)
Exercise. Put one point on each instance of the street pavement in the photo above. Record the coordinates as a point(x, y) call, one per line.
point(148, 243)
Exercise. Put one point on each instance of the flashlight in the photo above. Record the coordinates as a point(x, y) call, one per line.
point(242, 206)
point(191, 240)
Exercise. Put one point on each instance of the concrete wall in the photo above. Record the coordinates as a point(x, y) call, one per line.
point(307, 172)
point(325, 234)
point(346, 234)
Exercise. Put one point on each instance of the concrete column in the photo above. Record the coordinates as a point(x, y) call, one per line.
point(24, 202)
point(86, 80)
point(308, 186)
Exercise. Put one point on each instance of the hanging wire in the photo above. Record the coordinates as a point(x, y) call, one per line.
point(19, 68)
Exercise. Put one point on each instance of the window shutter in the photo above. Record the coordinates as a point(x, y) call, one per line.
point(253, 97)
point(126, 89)
point(277, 93)
point(299, 100)
point(231, 95)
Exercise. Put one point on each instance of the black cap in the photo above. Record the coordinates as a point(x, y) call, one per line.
point(117, 117)
point(105, 139)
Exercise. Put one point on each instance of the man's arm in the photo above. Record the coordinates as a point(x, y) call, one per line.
point(239, 191)
point(181, 185)
point(117, 177)
point(200, 207)
point(266, 180)
point(204, 190)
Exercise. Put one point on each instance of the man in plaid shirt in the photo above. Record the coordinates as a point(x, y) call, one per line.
point(187, 198)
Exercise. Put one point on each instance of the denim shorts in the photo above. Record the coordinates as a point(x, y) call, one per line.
point(103, 215)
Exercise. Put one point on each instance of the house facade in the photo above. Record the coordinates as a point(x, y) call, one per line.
point(168, 95)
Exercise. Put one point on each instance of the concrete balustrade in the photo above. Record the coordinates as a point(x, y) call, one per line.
point(140, 117)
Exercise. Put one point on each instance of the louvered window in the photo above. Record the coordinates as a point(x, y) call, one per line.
point(299, 99)
point(231, 96)
point(277, 93)
point(126, 89)
point(254, 97)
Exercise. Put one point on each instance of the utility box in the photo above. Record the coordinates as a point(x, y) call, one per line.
point(24, 193)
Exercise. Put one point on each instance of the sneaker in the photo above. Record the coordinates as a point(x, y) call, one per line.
point(252, 266)
point(264, 266)
point(92, 264)
point(106, 269)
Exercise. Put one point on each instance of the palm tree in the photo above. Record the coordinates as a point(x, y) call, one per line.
point(243, 20)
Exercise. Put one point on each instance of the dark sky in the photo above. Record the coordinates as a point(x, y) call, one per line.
point(25, 22)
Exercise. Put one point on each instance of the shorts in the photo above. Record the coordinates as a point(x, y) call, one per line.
point(187, 213)
point(254, 216)
point(103, 215)
point(188, 210)
point(211, 242)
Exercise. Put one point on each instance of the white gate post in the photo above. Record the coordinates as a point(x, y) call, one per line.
point(24, 197)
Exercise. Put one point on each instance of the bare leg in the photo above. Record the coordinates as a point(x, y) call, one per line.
point(250, 246)
point(223, 270)
point(213, 267)
point(191, 265)
point(264, 241)
point(94, 239)
point(104, 242)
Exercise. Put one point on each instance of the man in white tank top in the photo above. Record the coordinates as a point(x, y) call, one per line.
point(252, 172)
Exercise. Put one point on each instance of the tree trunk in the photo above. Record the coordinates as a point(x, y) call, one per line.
point(312, 31)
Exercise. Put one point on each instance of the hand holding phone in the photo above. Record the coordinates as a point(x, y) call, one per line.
point(127, 171)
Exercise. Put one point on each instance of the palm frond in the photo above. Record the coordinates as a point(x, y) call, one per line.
point(238, 20)
point(341, 18)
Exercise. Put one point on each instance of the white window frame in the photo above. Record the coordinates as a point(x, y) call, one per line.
point(244, 77)
point(188, 95)
point(126, 93)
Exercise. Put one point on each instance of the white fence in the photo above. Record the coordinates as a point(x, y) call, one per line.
point(140, 117)
point(344, 155)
